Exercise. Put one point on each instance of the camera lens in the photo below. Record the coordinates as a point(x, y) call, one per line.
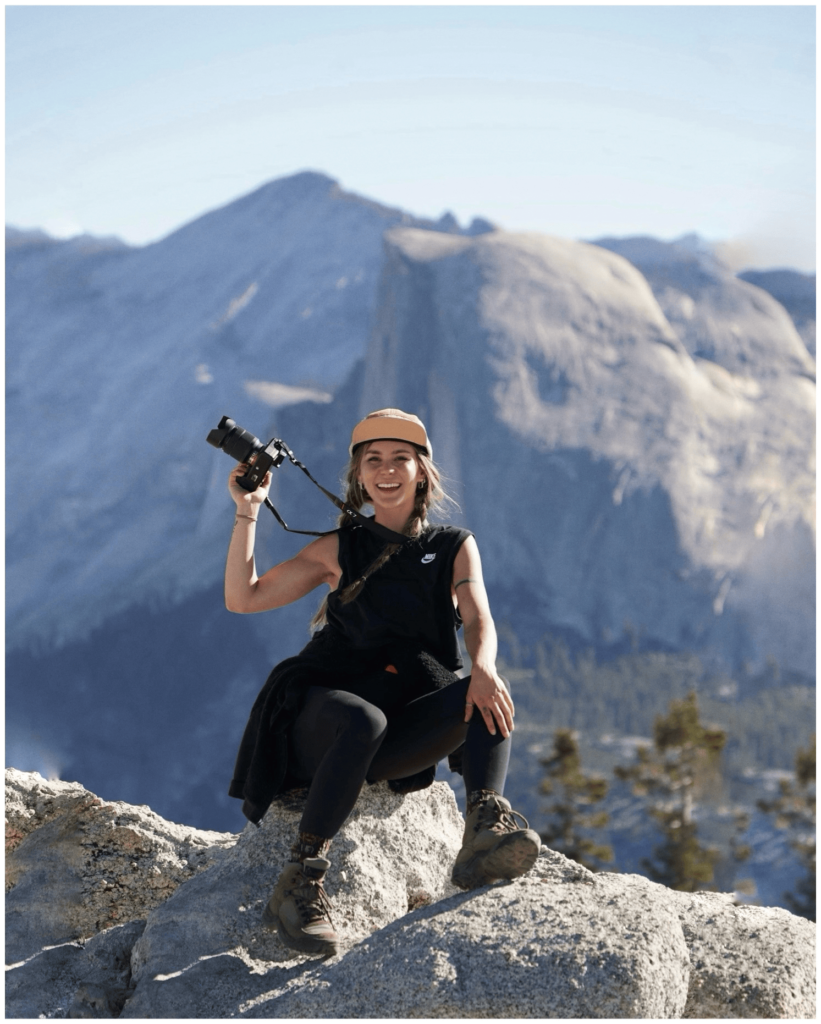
point(238, 443)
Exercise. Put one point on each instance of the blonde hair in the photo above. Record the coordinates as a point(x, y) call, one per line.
point(430, 497)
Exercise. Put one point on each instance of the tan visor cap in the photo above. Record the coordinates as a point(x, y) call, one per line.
point(390, 428)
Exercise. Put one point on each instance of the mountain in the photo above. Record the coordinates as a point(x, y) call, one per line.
point(617, 465)
point(120, 359)
point(128, 356)
point(628, 433)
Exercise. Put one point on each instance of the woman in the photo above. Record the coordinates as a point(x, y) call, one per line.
point(373, 696)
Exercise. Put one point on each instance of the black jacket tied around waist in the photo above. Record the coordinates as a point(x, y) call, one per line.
point(387, 627)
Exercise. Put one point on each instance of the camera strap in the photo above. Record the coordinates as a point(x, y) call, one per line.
point(390, 536)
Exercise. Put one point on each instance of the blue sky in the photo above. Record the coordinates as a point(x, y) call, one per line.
point(576, 121)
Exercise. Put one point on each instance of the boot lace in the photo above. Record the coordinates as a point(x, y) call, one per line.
point(312, 902)
point(497, 819)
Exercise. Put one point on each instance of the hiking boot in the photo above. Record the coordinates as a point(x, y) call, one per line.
point(494, 846)
point(300, 910)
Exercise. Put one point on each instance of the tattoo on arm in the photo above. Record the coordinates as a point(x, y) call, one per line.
point(467, 579)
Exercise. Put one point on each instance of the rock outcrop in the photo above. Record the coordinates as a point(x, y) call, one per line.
point(100, 863)
point(560, 942)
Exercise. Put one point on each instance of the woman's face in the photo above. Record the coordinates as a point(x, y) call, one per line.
point(390, 472)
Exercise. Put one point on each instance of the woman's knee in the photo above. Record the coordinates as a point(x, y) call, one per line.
point(360, 721)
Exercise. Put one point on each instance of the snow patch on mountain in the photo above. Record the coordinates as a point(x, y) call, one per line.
point(278, 396)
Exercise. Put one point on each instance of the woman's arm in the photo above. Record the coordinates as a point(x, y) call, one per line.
point(487, 690)
point(245, 591)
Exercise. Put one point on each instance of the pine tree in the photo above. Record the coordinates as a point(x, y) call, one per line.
point(570, 814)
point(683, 764)
point(795, 810)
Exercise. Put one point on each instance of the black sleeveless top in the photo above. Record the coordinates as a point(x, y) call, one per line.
point(408, 598)
point(403, 615)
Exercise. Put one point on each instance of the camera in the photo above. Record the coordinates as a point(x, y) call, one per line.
point(243, 446)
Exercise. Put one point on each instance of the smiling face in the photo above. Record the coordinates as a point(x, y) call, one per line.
point(390, 473)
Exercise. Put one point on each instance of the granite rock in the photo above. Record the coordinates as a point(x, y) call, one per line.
point(559, 942)
point(78, 865)
point(392, 852)
point(748, 962)
point(78, 979)
point(554, 944)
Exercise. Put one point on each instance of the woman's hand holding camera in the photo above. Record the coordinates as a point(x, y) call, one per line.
point(247, 502)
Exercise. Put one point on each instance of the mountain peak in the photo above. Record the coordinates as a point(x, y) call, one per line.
point(302, 184)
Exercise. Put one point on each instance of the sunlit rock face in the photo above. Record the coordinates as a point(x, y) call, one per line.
point(616, 476)
point(114, 912)
point(796, 293)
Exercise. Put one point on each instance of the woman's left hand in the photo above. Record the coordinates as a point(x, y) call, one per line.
point(488, 695)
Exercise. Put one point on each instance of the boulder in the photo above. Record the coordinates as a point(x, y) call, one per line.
point(92, 864)
point(76, 865)
point(32, 802)
point(75, 979)
point(393, 852)
point(748, 962)
point(559, 942)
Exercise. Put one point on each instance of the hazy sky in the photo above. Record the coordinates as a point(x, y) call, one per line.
point(576, 121)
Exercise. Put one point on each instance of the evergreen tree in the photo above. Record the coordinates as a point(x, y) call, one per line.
point(683, 765)
point(570, 815)
point(795, 809)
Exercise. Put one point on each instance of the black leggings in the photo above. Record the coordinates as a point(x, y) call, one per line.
point(339, 740)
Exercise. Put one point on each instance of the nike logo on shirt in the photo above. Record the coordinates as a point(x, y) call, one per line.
point(427, 559)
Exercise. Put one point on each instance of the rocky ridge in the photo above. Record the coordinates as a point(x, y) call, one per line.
point(560, 942)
